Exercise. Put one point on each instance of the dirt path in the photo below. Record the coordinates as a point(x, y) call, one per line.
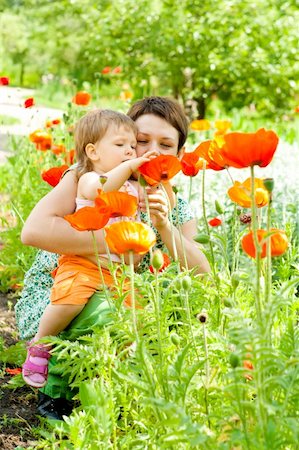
point(17, 407)
point(11, 105)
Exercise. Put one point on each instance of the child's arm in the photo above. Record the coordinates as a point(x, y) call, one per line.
point(89, 183)
point(120, 174)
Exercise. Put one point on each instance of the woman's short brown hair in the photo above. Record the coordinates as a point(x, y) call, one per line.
point(91, 128)
point(166, 108)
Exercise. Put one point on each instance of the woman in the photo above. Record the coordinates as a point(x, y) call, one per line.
point(162, 126)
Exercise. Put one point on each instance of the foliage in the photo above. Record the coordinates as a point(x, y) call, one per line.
point(243, 53)
point(209, 369)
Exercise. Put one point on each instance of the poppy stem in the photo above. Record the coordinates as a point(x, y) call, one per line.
point(157, 305)
point(110, 266)
point(257, 248)
point(100, 268)
point(175, 252)
point(229, 174)
point(212, 256)
point(132, 274)
point(148, 216)
point(207, 377)
point(268, 283)
point(190, 189)
point(179, 227)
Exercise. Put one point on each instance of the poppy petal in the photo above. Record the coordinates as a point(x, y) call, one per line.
point(160, 169)
point(123, 237)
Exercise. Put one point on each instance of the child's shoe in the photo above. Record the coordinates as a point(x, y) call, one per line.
point(35, 368)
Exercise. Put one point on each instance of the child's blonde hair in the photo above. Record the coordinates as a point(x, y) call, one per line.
point(91, 128)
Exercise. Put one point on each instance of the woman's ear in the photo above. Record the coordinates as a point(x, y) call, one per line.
point(181, 153)
point(91, 152)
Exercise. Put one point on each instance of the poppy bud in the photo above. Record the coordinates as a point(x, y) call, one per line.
point(228, 303)
point(202, 317)
point(178, 284)
point(175, 338)
point(186, 283)
point(103, 179)
point(175, 189)
point(215, 222)
point(142, 181)
point(235, 279)
point(219, 208)
point(269, 184)
point(234, 360)
point(157, 260)
point(245, 218)
point(202, 238)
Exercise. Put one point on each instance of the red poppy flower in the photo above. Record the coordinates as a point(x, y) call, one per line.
point(29, 102)
point(116, 70)
point(216, 222)
point(120, 203)
point(53, 175)
point(106, 70)
point(166, 263)
point(69, 157)
point(160, 169)
point(13, 372)
point(207, 151)
point(89, 218)
point(51, 123)
point(4, 81)
point(191, 164)
point(45, 144)
point(81, 98)
point(123, 237)
point(41, 139)
point(248, 366)
point(248, 149)
point(279, 243)
point(57, 149)
point(296, 109)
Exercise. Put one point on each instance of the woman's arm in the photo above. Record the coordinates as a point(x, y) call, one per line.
point(45, 227)
point(193, 254)
point(186, 246)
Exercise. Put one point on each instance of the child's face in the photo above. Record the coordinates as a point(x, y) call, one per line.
point(155, 133)
point(116, 146)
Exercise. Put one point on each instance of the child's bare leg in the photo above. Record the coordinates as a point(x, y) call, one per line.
point(56, 318)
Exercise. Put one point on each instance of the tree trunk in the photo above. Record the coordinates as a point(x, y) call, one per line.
point(201, 107)
point(22, 73)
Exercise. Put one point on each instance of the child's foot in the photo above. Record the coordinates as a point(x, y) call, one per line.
point(35, 368)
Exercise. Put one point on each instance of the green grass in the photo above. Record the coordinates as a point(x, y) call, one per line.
point(7, 120)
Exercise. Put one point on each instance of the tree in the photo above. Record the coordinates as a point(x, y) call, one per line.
point(242, 52)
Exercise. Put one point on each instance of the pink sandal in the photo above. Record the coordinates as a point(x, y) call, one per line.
point(35, 368)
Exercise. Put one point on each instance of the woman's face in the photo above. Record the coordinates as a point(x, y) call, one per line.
point(154, 133)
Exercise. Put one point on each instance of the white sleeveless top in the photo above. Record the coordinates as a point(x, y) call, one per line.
point(131, 190)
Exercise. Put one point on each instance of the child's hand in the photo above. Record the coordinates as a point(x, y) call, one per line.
point(137, 162)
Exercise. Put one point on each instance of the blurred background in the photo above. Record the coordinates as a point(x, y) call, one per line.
point(215, 56)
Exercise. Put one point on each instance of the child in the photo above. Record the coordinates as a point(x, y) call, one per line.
point(105, 143)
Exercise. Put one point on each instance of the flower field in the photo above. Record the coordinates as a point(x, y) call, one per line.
point(206, 361)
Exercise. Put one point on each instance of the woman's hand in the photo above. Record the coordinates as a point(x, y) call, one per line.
point(158, 205)
point(136, 258)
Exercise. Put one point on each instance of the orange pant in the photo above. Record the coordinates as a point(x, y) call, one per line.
point(76, 280)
